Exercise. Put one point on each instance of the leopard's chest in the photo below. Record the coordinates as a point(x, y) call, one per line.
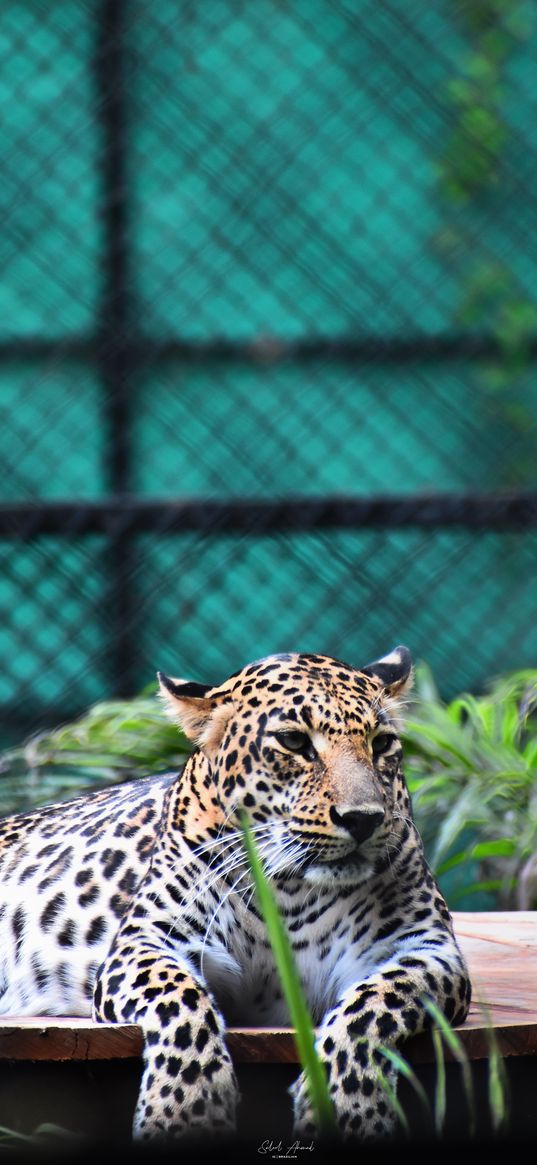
point(329, 955)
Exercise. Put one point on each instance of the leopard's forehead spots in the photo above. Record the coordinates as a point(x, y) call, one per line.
point(322, 692)
point(283, 672)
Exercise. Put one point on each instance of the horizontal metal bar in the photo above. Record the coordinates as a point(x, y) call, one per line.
point(265, 349)
point(262, 516)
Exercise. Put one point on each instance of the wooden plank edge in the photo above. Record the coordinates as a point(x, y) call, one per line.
point(43, 1039)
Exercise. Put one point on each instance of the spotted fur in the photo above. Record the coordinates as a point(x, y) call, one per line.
point(136, 902)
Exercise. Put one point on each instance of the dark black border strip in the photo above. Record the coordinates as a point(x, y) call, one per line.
point(128, 516)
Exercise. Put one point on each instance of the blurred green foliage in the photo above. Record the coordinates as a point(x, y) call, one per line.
point(471, 767)
point(116, 740)
point(494, 302)
point(472, 162)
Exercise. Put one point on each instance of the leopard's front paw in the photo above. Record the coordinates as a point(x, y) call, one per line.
point(184, 1096)
point(359, 1087)
point(168, 1117)
point(304, 1122)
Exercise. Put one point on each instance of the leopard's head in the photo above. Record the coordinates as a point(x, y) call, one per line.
point(308, 748)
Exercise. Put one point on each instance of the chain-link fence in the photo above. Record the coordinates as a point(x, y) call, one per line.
point(267, 339)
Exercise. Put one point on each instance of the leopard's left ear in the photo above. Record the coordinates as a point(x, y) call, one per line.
point(199, 710)
point(394, 671)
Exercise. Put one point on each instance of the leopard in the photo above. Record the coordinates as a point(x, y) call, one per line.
point(136, 903)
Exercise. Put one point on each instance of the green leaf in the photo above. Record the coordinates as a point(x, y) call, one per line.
point(12, 1135)
point(486, 849)
point(450, 864)
point(480, 888)
point(466, 810)
point(47, 1129)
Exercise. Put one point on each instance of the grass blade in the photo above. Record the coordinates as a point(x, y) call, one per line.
point(11, 1135)
point(391, 1095)
point(440, 1090)
point(454, 1044)
point(403, 1068)
point(300, 1017)
point(497, 1087)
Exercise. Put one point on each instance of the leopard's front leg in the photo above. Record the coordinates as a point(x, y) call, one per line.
point(384, 1009)
point(188, 1085)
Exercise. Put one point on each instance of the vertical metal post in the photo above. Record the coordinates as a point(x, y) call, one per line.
point(114, 336)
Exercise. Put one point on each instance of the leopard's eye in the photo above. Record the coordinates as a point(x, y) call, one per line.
point(295, 742)
point(381, 742)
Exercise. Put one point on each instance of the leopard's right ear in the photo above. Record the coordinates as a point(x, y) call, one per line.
point(394, 671)
point(201, 716)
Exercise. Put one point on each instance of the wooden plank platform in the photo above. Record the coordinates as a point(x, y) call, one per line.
point(501, 950)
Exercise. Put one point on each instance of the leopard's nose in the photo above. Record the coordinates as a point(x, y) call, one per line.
point(360, 823)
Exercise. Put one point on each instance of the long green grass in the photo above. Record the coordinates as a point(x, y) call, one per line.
point(312, 1066)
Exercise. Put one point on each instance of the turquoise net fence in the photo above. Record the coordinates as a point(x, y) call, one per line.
point(259, 253)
